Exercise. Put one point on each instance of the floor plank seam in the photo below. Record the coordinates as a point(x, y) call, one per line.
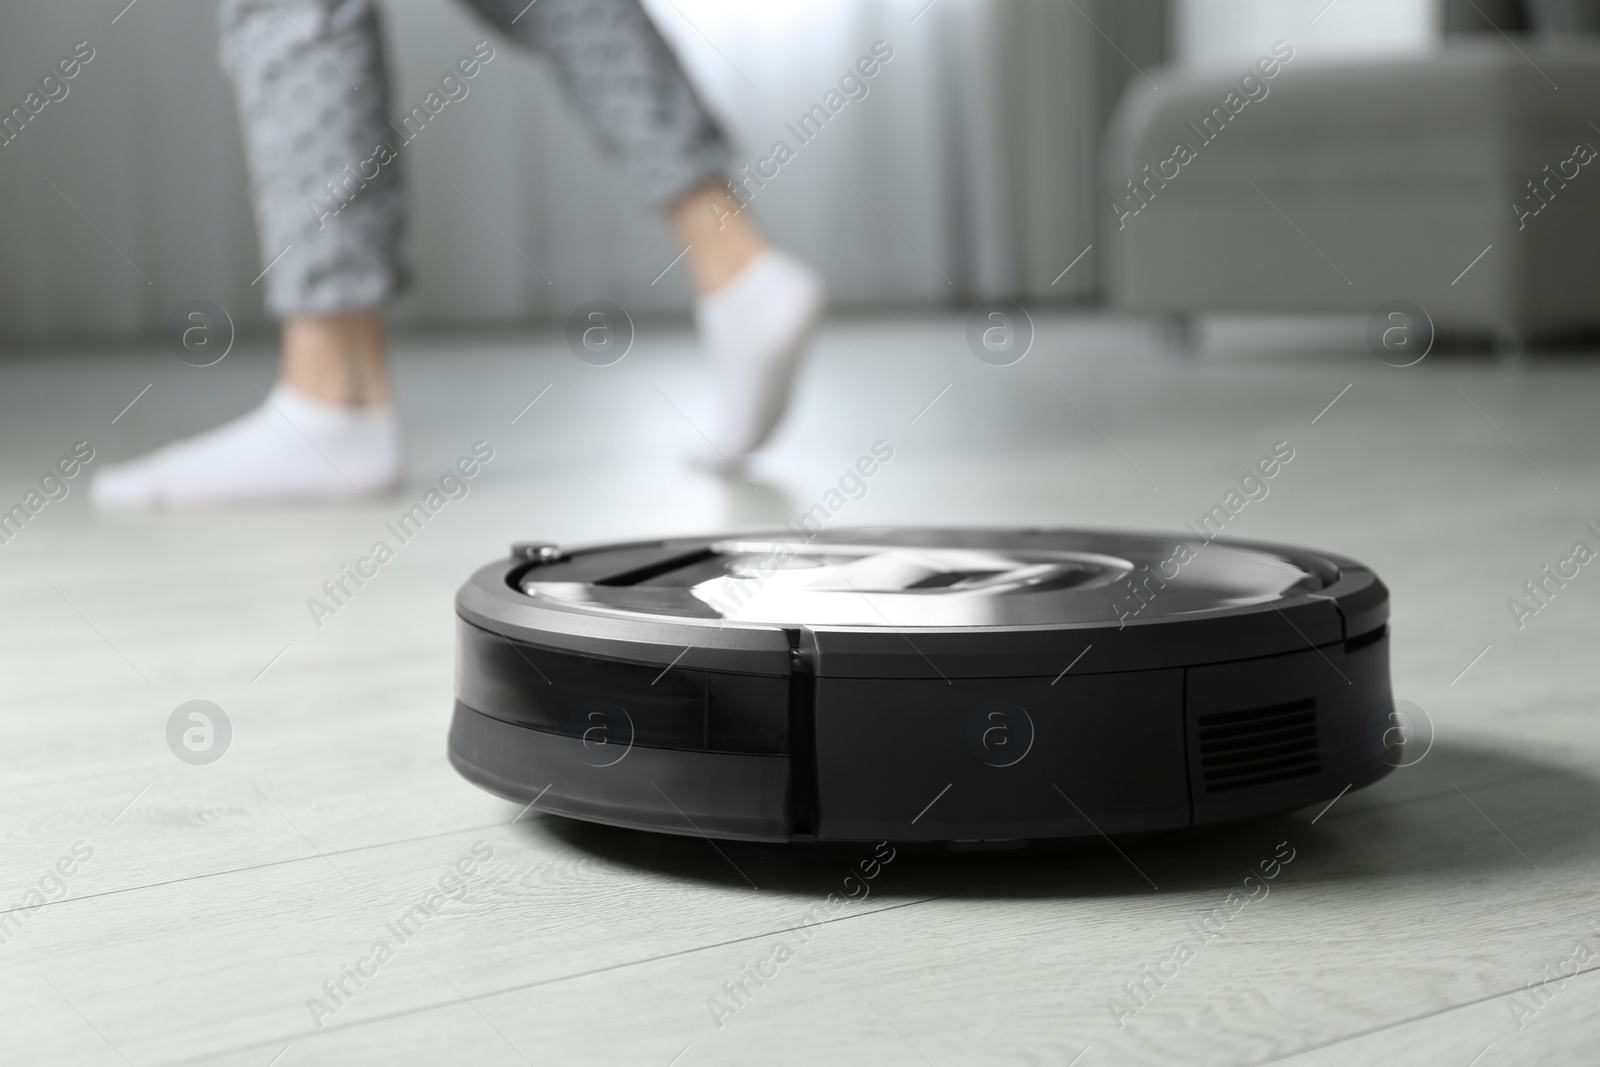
point(424, 1009)
point(260, 866)
point(1359, 1034)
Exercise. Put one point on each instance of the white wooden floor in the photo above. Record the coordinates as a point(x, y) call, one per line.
point(207, 906)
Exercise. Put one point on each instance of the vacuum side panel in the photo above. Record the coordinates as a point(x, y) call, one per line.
point(975, 759)
point(1284, 732)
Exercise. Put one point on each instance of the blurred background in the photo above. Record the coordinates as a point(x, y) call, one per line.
point(988, 137)
point(1381, 255)
point(985, 134)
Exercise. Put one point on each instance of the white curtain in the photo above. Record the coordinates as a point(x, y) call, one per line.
point(967, 171)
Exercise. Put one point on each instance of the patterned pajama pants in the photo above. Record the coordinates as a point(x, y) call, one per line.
point(325, 161)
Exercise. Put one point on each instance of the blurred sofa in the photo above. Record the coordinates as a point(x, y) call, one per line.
point(1464, 181)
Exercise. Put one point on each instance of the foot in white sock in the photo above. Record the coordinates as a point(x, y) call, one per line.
point(755, 328)
point(291, 447)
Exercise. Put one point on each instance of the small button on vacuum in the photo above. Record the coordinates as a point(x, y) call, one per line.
point(536, 551)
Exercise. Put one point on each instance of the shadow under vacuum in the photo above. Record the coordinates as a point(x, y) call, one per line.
point(1412, 827)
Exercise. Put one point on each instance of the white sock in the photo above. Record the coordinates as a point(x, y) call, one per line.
point(755, 328)
point(291, 447)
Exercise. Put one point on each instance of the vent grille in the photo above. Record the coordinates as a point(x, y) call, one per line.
point(1258, 746)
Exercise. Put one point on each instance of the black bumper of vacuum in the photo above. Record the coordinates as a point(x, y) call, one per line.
point(847, 759)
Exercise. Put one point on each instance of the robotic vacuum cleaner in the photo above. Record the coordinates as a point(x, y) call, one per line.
point(949, 685)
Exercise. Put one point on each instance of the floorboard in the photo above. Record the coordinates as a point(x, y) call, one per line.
point(217, 900)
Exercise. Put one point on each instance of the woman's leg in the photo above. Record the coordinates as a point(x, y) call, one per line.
point(754, 305)
point(337, 359)
point(313, 98)
point(626, 85)
point(313, 102)
point(721, 238)
point(755, 308)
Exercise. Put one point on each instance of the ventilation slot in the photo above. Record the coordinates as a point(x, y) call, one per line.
point(1258, 746)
